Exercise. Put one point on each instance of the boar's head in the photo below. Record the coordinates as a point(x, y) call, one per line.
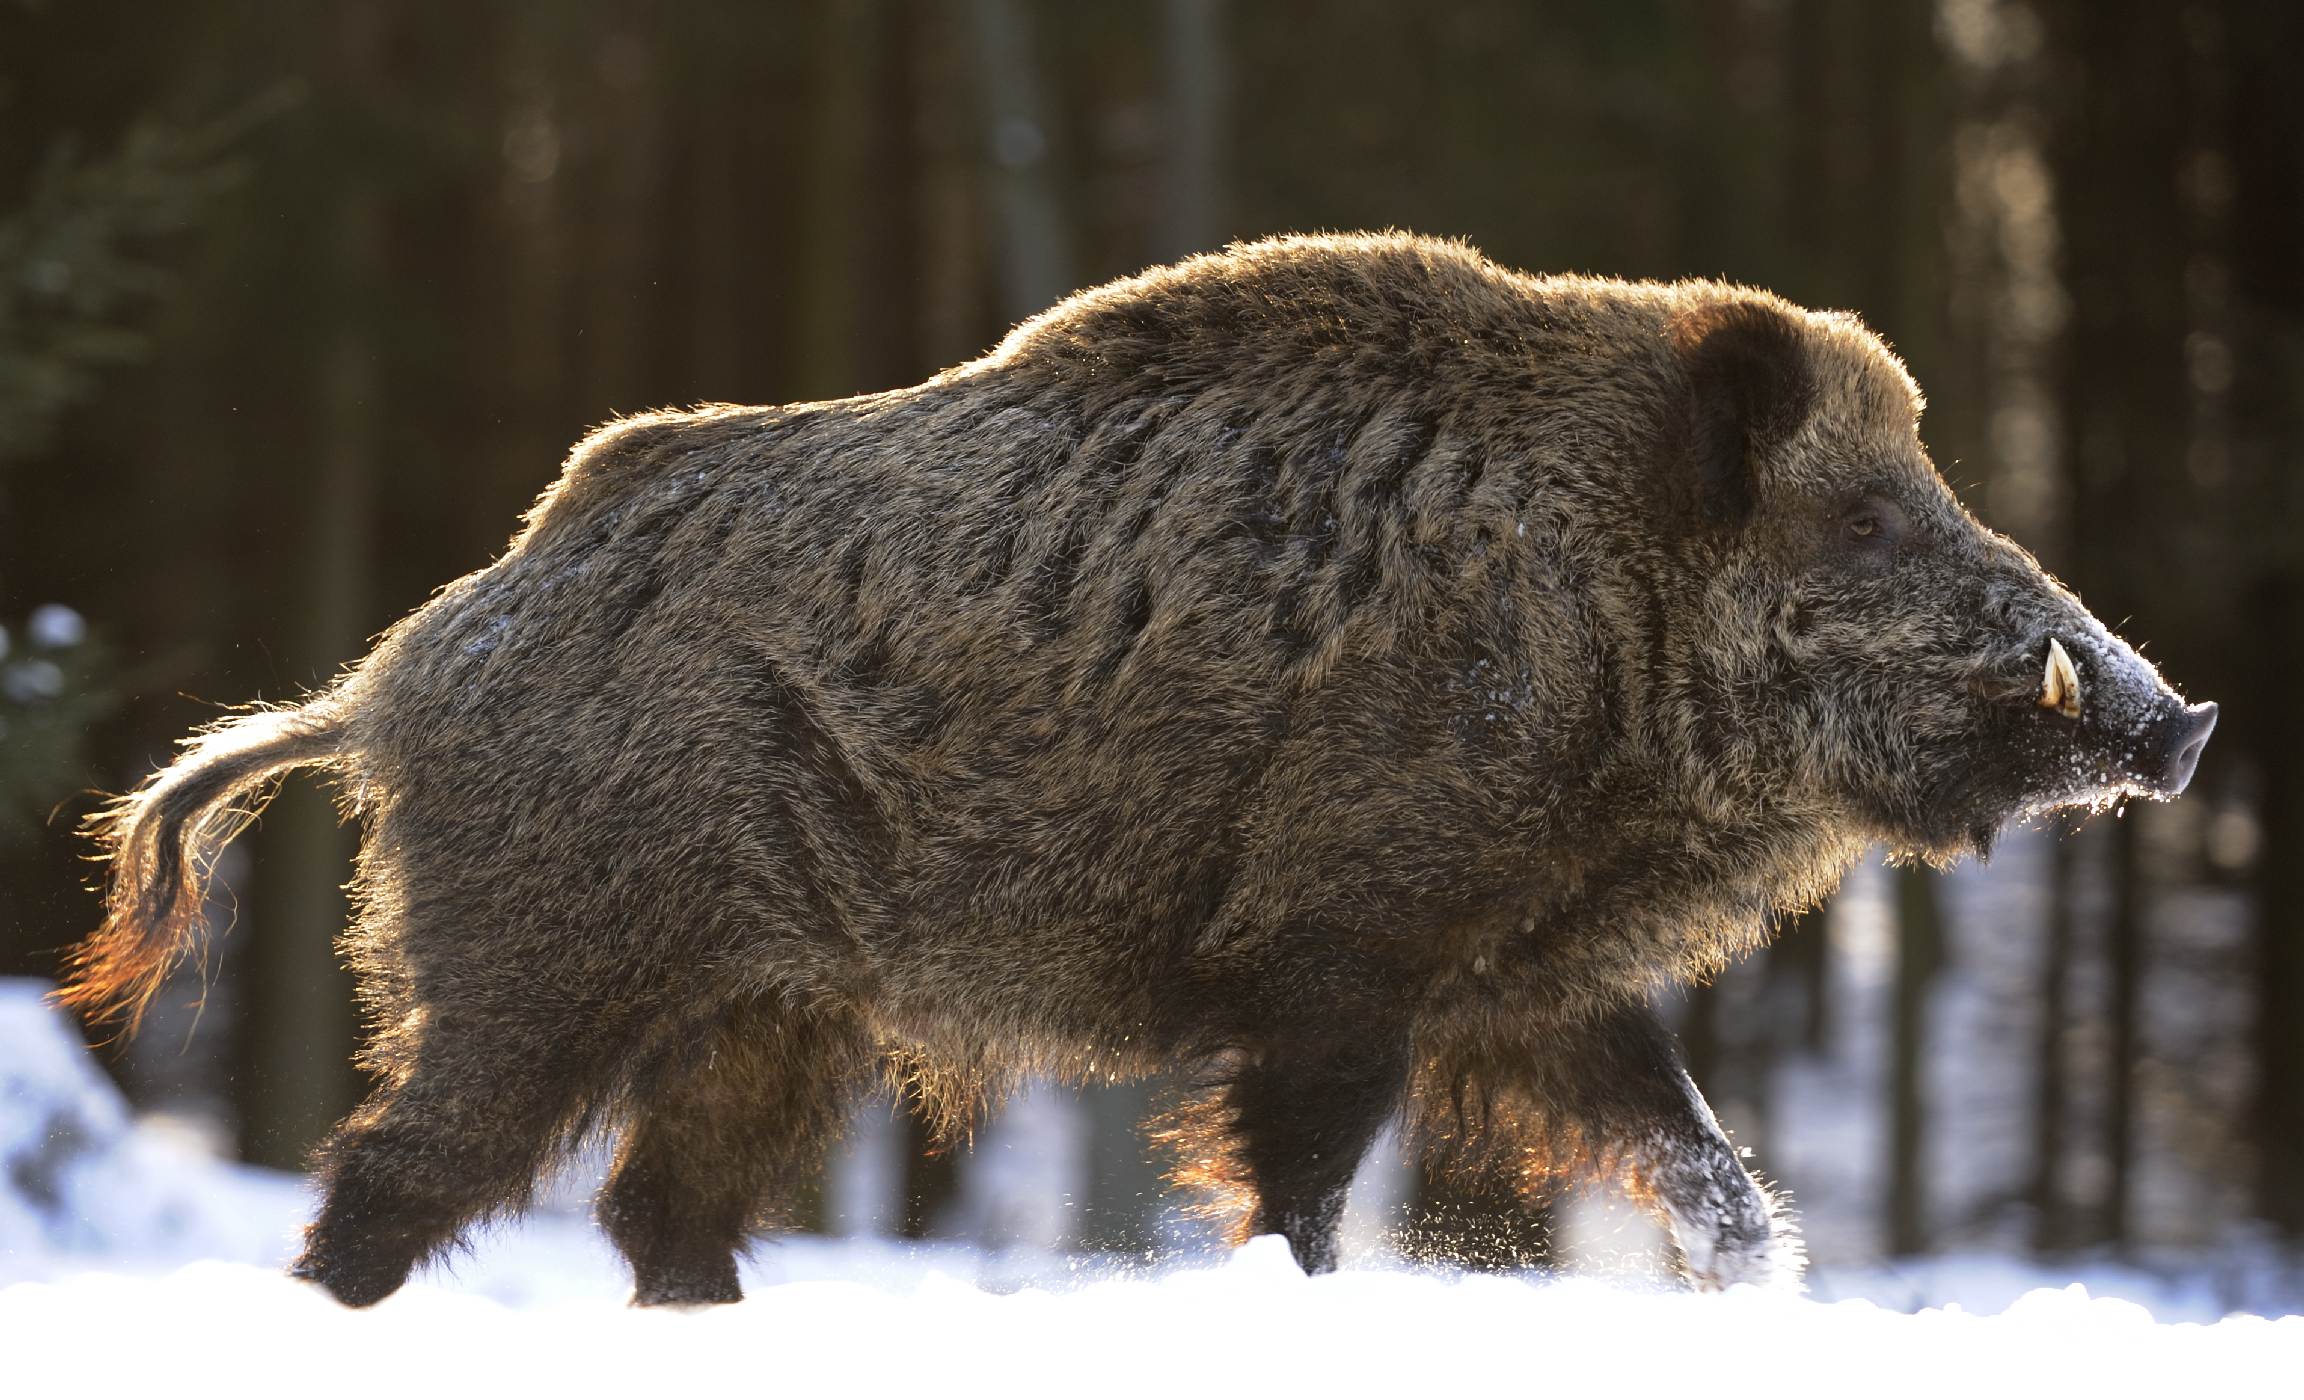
point(1865, 644)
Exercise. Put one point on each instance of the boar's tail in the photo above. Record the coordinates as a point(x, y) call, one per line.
point(161, 841)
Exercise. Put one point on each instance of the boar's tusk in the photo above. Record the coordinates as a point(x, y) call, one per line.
point(2060, 688)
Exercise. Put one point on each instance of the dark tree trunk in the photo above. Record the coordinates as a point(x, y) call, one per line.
point(2277, 615)
point(1802, 959)
point(2264, 140)
point(1198, 80)
point(298, 1023)
point(2119, 155)
point(1919, 957)
point(2051, 1222)
point(2125, 953)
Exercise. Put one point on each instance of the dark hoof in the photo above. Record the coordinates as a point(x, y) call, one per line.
point(353, 1287)
point(685, 1298)
point(696, 1290)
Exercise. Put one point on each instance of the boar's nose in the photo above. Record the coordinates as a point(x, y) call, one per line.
point(2180, 738)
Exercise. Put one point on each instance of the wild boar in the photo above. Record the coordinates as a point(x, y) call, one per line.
point(1338, 672)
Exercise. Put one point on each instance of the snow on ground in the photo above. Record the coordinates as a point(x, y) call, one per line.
point(130, 1257)
point(876, 1321)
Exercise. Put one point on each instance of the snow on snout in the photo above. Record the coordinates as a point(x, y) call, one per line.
point(2092, 677)
point(2122, 691)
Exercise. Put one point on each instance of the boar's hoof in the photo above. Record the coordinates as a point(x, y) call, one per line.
point(694, 1290)
point(1746, 1240)
point(355, 1284)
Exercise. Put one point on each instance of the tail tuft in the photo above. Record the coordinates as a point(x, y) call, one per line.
point(161, 841)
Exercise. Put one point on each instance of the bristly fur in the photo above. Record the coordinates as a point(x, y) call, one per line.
point(160, 841)
point(1338, 671)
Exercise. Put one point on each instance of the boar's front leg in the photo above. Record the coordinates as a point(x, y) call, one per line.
point(1678, 1161)
point(1607, 1098)
point(1277, 1139)
point(1639, 1106)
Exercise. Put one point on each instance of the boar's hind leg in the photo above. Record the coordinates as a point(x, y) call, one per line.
point(462, 1132)
point(717, 1136)
point(1285, 1132)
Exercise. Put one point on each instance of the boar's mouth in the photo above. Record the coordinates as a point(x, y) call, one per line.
point(2127, 734)
point(2152, 756)
point(2075, 733)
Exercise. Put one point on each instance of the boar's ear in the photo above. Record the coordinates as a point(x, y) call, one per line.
point(1749, 388)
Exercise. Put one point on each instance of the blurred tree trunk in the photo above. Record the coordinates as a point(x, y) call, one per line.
point(522, 348)
point(298, 1024)
point(1035, 241)
point(1198, 72)
point(1920, 948)
point(624, 187)
point(2125, 953)
point(2264, 144)
point(2051, 1221)
point(1995, 411)
point(830, 268)
point(892, 209)
point(2276, 617)
point(859, 324)
point(705, 226)
point(2119, 156)
point(1801, 960)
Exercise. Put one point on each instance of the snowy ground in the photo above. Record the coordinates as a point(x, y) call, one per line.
point(129, 1256)
point(886, 1323)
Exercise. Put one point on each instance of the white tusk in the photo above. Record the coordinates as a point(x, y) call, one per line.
point(2060, 688)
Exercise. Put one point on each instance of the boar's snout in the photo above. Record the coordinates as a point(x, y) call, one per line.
point(2177, 739)
point(2147, 737)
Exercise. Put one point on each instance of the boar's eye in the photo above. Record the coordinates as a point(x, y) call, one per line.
point(1870, 529)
